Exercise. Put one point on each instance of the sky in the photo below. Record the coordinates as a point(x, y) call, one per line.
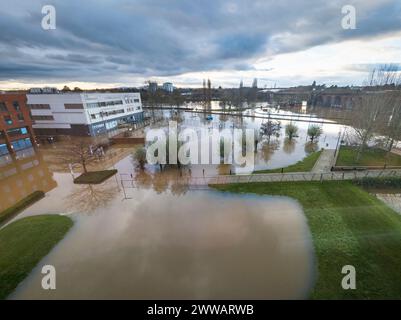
point(114, 43)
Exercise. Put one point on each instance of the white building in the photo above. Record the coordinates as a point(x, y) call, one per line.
point(168, 86)
point(83, 113)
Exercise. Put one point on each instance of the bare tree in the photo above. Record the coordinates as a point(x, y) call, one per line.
point(79, 151)
point(371, 108)
point(270, 128)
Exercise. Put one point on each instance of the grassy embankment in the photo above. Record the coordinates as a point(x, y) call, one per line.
point(305, 165)
point(20, 205)
point(24, 243)
point(349, 227)
point(94, 177)
point(370, 157)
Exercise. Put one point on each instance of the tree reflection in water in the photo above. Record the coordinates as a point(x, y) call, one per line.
point(289, 145)
point(311, 147)
point(268, 149)
point(87, 198)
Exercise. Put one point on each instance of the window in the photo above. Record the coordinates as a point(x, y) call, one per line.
point(20, 117)
point(73, 106)
point(42, 118)
point(93, 116)
point(21, 144)
point(17, 132)
point(39, 106)
point(8, 120)
point(3, 107)
point(136, 100)
point(16, 106)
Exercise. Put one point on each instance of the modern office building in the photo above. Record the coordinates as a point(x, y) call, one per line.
point(168, 87)
point(83, 114)
point(152, 87)
point(16, 132)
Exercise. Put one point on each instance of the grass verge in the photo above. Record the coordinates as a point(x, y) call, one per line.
point(10, 212)
point(349, 227)
point(94, 177)
point(305, 165)
point(370, 157)
point(24, 243)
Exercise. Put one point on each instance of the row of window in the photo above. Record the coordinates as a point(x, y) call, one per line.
point(39, 106)
point(17, 131)
point(3, 106)
point(42, 118)
point(104, 104)
point(107, 113)
point(133, 108)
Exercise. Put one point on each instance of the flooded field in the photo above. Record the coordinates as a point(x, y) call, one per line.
point(163, 240)
point(160, 245)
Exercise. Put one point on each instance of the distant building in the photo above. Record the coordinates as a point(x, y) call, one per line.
point(168, 87)
point(83, 114)
point(43, 90)
point(153, 87)
point(16, 133)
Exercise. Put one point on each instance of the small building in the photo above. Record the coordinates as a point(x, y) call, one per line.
point(16, 133)
point(168, 87)
point(153, 87)
point(83, 114)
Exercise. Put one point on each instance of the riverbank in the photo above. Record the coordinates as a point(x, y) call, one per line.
point(305, 165)
point(349, 227)
point(370, 157)
point(20, 205)
point(24, 243)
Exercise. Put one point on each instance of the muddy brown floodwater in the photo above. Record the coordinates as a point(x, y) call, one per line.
point(161, 240)
point(205, 244)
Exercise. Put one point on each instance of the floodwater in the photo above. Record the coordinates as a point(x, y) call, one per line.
point(279, 152)
point(159, 239)
point(162, 246)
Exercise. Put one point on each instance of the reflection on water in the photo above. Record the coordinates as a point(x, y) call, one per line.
point(311, 147)
point(22, 177)
point(288, 153)
point(158, 243)
point(87, 198)
point(204, 245)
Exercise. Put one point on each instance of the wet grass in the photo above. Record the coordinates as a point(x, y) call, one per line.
point(24, 243)
point(349, 227)
point(10, 212)
point(305, 165)
point(94, 177)
point(370, 157)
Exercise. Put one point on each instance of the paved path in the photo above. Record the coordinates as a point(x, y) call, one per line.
point(202, 182)
point(325, 161)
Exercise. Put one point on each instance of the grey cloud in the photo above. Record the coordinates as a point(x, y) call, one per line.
point(101, 39)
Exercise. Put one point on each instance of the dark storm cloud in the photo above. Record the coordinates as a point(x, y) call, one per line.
point(96, 40)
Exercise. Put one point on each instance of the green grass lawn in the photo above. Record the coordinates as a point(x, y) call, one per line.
point(20, 205)
point(370, 157)
point(349, 227)
point(94, 177)
point(24, 243)
point(306, 164)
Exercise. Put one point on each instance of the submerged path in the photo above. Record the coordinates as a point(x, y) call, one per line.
point(304, 176)
point(325, 161)
point(203, 182)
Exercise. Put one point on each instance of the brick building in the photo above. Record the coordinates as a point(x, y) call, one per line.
point(16, 133)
